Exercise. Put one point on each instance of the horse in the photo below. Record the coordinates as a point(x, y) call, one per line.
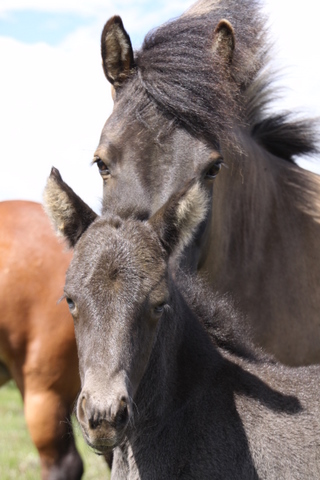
point(195, 101)
point(169, 399)
point(37, 342)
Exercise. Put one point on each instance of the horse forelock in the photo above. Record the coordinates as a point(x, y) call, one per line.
point(137, 108)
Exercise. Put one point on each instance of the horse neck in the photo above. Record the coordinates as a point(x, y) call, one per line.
point(259, 198)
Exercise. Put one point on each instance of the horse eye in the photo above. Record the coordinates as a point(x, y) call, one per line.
point(70, 303)
point(214, 169)
point(159, 308)
point(102, 167)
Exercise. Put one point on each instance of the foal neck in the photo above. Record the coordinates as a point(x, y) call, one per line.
point(182, 358)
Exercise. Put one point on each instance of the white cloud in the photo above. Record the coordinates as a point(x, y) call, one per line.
point(75, 6)
point(54, 102)
point(95, 8)
point(295, 31)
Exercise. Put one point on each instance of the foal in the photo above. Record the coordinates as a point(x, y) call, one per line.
point(170, 400)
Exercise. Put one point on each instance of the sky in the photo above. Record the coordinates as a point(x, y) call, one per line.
point(54, 98)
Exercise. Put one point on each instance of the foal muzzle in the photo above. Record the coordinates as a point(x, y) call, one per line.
point(103, 422)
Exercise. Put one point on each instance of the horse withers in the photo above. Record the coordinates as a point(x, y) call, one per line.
point(195, 101)
point(37, 343)
point(171, 400)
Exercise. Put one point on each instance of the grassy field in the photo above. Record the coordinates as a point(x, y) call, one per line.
point(18, 457)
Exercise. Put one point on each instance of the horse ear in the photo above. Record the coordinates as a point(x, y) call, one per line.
point(116, 52)
point(179, 218)
point(69, 215)
point(224, 40)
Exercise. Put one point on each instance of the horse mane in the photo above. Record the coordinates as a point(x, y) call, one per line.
point(188, 81)
point(279, 134)
point(220, 318)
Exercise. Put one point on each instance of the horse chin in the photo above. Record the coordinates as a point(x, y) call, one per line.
point(100, 449)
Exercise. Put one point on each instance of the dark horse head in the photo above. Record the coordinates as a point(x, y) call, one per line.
point(155, 141)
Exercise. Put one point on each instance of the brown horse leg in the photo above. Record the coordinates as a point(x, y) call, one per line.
point(53, 438)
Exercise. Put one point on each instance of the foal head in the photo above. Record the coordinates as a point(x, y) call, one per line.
point(118, 290)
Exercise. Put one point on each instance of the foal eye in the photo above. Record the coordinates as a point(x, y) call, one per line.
point(102, 167)
point(70, 303)
point(214, 169)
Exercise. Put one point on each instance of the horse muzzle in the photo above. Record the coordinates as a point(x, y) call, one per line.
point(103, 426)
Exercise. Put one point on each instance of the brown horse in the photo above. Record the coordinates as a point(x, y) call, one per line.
point(171, 401)
point(37, 343)
point(192, 102)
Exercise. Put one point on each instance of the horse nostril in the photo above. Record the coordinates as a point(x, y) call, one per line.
point(81, 413)
point(95, 422)
point(87, 415)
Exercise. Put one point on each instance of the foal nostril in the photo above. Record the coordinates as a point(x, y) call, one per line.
point(95, 421)
point(88, 415)
point(81, 412)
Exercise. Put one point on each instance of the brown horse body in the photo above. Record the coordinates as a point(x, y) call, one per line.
point(192, 99)
point(172, 401)
point(37, 343)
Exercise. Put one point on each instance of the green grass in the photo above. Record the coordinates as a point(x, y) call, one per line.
point(18, 456)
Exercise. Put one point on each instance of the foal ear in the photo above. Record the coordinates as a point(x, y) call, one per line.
point(177, 221)
point(116, 52)
point(224, 40)
point(69, 215)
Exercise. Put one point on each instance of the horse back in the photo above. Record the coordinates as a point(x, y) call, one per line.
point(34, 326)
